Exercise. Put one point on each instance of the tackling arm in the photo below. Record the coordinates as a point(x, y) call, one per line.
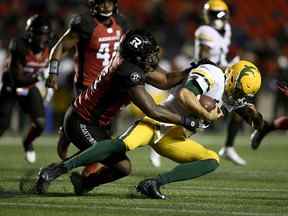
point(142, 99)
point(165, 80)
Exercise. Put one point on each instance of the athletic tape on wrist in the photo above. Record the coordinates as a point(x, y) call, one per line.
point(54, 67)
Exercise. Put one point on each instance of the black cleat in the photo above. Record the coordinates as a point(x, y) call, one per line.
point(77, 181)
point(258, 135)
point(150, 188)
point(47, 175)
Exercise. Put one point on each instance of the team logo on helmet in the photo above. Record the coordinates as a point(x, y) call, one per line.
point(136, 42)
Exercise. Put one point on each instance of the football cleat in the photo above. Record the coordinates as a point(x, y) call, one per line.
point(30, 156)
point(229, 153)
point(78, 184)
point(150, 188)
point(258, 135)
point(47, 175)
point(155, 158)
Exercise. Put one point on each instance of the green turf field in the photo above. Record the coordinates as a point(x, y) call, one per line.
point(260, 188)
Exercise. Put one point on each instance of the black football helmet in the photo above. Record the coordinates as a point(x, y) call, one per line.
point(38, 31)
point(96, 12)
point(140, 47)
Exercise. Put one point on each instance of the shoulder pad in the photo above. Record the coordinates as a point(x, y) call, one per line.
point(131, 74)
point(206, 34)
point(205, 73)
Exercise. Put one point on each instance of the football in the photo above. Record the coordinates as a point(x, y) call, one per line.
point(207, 102)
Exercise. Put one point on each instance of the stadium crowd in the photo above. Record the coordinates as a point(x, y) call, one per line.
point(174, 23)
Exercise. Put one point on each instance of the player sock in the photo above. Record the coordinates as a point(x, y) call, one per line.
point(33, 133)
point(231, 134)
point(188, 171)
point(97, 152)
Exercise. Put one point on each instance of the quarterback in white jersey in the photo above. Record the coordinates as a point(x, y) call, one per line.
point(242, 80)
point(212, 41)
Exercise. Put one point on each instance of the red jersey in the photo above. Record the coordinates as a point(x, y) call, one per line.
point(98, 43)
point(103, 99)
point(32, 63)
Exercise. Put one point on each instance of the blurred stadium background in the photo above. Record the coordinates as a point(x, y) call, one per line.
point(259, 28)
point(260, 33)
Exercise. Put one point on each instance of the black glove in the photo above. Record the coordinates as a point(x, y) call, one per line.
point(190, 123)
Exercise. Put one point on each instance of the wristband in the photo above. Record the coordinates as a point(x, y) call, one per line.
point(189, 123)
point(54, 67)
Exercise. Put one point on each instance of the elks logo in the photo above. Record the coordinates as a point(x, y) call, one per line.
point(135, 77)
point(247, 70)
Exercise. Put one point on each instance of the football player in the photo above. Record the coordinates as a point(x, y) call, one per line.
point(280, 123)
point(243, 79)
point(95, 36)
point(87, 121)
point(29, 61)
point(212, 41)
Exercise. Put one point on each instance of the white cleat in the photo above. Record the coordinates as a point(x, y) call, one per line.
point(155, 158)
point(229, 153)
point(30, 156)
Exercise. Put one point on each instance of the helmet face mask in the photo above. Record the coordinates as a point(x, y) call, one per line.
point(38, 31)
point(218, 19)
point(140, 47)
point(216, 14)
point(102, 9)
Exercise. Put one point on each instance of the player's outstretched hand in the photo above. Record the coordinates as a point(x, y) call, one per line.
point(52, 81)
point(283, 87)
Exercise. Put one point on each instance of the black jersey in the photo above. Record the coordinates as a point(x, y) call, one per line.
point(103, 100)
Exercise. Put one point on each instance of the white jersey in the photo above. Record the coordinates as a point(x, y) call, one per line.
point(218, 43)
point(211, 80)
